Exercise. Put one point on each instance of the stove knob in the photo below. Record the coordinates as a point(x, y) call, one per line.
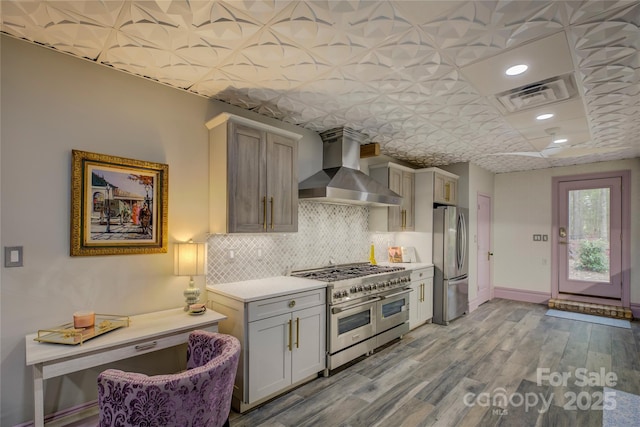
point(367, 287)
point(337, 295)
point(374, 286)
point(353, 290)
point(359, 288)
point(345, 293)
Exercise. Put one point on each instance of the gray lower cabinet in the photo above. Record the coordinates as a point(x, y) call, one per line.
point(421, 302)
point(283, 343)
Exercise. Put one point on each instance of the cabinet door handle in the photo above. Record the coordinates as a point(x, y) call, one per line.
point(264, 218)
point(297, 332)
point(142, 347)
point(447, 191)
point(272, 213)
point(421, 292)
point(290, 336)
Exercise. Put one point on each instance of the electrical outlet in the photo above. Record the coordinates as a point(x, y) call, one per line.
point(537, 237)
point(259, 253)
point(13, 256)
point(545, 237)
point(232, 253)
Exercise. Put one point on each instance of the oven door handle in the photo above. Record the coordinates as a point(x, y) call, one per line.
point(336, 310)
point(395, 294)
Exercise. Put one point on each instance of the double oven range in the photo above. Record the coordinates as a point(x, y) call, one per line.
point(367, 307)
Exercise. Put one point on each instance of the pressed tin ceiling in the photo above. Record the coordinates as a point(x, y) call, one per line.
point(419, 77)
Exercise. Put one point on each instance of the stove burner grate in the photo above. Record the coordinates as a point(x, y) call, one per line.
point(343, 272)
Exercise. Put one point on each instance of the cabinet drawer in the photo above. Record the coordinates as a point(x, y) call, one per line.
point(101, 357)
point(285, 304)
point(421, 274)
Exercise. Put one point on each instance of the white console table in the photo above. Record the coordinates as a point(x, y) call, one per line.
point(146, 333)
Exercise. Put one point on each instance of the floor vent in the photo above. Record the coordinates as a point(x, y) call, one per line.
point(545, 92)
point(589, 308)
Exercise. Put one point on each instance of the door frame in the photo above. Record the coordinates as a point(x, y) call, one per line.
point(625, 176)
point(490, 295)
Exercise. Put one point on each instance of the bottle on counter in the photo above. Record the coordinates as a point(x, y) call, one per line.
point(372, 255)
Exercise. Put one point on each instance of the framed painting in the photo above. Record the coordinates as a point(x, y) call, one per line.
point(119, 206)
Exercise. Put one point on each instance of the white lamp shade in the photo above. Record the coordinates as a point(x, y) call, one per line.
point(189, 259)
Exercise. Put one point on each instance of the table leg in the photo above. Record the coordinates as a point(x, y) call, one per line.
point(38, 396)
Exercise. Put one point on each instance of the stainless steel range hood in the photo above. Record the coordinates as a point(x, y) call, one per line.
point(340, 180)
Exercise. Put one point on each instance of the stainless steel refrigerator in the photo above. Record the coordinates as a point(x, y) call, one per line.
point(450, 253)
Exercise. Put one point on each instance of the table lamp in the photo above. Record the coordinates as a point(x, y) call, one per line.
point(190, 261)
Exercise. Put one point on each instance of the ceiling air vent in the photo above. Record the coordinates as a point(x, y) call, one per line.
point(545, 92)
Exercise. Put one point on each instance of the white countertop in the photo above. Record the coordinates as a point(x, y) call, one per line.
point(407, 265)
point(257, 289)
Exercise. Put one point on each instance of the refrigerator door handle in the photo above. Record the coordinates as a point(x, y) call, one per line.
point(462, 242)
point(458, 280)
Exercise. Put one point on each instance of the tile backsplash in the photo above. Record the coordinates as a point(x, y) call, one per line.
point(326, 232)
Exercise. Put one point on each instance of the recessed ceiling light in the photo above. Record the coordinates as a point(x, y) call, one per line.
point(544, 116)
point(560, 140)
point(516, 69)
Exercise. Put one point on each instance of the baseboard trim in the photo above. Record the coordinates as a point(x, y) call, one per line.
point(635, 309)
point(69, 415)
point(521, 295)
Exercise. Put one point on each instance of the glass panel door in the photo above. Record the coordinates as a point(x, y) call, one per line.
point(589, 240)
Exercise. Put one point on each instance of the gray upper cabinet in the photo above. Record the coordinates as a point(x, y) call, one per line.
point(401, 180)
point(253, 176)
point(443, 185)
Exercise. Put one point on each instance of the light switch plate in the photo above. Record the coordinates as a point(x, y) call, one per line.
point(537, 237)
point(13, 256)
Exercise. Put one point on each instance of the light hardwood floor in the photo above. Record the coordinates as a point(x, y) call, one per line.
point(497, 350)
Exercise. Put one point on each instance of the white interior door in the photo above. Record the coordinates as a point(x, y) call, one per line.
point(484, 249)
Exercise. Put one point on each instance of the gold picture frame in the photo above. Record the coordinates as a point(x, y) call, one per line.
point(119, 206)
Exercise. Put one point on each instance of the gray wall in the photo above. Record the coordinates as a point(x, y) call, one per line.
point(522, 207)
point(52, 103)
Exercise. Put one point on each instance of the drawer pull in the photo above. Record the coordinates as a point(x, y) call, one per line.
point(142, 347)
point(292, 303)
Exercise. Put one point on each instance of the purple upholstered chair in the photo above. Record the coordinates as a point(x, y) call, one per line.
point(197, 397)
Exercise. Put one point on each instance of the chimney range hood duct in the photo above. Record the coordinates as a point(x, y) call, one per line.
point(340, 180)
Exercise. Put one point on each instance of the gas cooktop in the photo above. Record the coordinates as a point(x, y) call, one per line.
point(335, 273)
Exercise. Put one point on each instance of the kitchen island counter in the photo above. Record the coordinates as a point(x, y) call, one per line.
point(270, 287)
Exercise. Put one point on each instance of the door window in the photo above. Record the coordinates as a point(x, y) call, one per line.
point(589, 235)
